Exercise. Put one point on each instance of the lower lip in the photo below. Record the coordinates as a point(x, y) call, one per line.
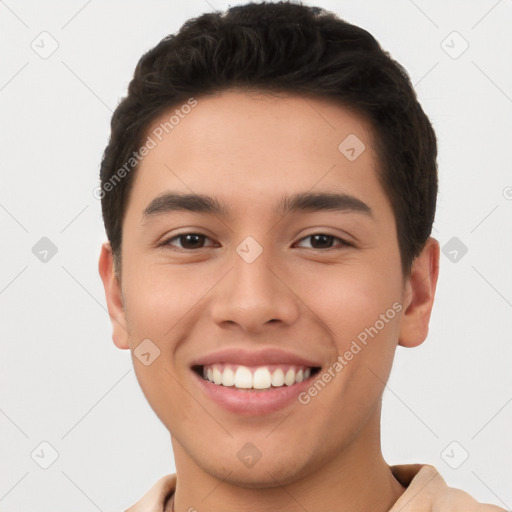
point(253, 402)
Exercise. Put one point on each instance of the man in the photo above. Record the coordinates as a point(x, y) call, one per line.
point(269, 190)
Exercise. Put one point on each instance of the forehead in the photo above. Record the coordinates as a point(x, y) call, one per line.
point(276, 127)
point(249, 148)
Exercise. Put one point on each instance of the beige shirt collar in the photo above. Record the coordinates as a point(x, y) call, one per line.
point(426, 492)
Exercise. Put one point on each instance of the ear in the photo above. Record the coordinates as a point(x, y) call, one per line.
point(114, 297)
point(418, 296)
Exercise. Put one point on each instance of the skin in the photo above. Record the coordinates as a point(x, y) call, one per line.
point(249, 149)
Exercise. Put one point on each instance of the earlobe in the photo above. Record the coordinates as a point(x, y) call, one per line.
point(418, 297)
point(113, 297)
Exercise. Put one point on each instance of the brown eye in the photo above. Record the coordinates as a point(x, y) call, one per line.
point(324, 241)
point(188, 241)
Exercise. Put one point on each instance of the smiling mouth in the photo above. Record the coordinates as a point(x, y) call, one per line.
point(255, 377)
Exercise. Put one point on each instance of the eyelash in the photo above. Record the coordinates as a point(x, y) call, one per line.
point(167, 243)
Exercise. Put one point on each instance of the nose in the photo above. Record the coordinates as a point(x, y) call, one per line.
point(255, 294)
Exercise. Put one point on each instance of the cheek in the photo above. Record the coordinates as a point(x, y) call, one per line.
point(362, 315)
point(158, 297)
point(350, 300)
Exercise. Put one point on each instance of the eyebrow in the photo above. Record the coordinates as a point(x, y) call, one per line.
point(301, 202)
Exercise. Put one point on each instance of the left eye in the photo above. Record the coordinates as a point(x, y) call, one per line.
point(322, 239)
point(192, 241)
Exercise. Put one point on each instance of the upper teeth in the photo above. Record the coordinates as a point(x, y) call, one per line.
point(260, 377)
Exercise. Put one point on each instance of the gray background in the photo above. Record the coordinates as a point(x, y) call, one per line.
point(63, 382)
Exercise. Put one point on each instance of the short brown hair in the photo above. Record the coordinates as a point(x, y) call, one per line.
point(287, 47)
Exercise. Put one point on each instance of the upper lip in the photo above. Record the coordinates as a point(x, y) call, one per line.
point(254, 357)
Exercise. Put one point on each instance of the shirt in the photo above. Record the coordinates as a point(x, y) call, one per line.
point(426, 491)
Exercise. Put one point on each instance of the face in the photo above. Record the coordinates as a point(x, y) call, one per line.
point(311, 288)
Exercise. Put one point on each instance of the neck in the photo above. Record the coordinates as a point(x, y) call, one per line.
point(356, 478)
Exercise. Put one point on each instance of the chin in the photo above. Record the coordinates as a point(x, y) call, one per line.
point(264, 474)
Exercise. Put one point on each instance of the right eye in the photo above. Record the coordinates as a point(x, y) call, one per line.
point(188, 241)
